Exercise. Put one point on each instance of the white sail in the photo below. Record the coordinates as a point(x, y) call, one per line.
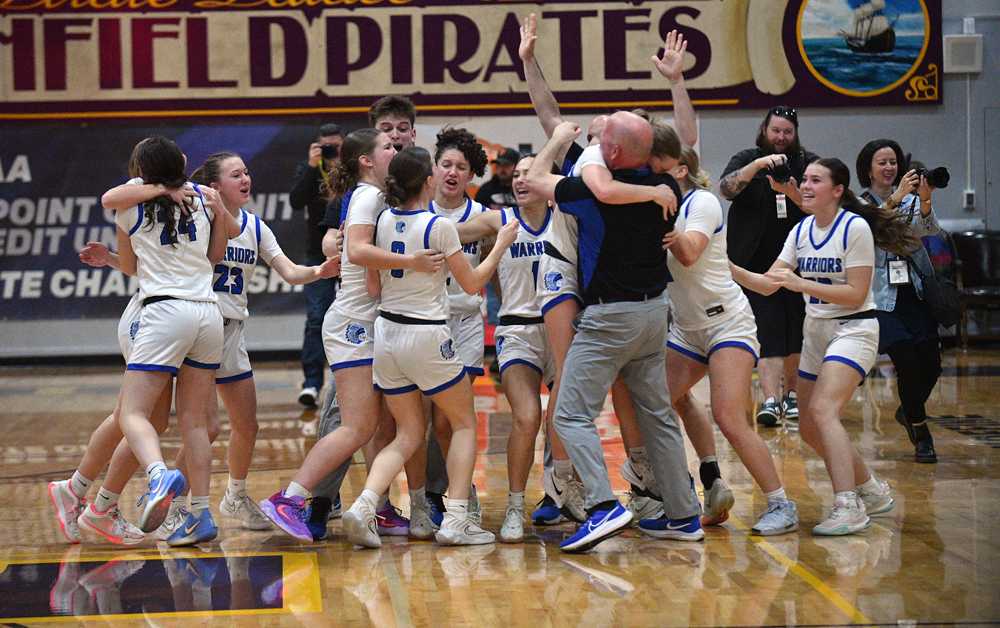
point(879, 25)
point(877, 5)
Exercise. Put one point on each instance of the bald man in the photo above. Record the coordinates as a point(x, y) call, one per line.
point(622, 330)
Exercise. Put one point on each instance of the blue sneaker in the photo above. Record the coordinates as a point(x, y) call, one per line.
point(317, 515)
point(664, 527)
point(547, 513)
point(437, 509)
point(601, 525)
point(163, 488)
point(197, 528)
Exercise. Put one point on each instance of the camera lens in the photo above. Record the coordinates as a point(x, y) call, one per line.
point(781, 173)
point(330, 151)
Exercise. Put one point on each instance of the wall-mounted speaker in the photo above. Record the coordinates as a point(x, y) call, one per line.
point(963, 54)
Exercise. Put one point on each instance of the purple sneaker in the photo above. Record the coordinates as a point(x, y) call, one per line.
point(289, 514)
point(391, 521)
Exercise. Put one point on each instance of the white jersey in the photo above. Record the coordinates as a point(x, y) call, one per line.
point(824, 255)
point(704, 293)
point(590, 156)
point(461, 302)
point(407, 292)
point(171, 264)
point(518, 268)
point(352, 298)
point(563, 235)
point(234, 272)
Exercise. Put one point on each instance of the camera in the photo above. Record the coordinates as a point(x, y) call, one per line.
point(936, 178)
point(330, 151)
point(780, 173)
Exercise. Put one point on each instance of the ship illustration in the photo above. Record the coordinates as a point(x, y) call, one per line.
point(871, 31)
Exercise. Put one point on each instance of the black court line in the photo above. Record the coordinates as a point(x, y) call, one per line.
point(984, 430)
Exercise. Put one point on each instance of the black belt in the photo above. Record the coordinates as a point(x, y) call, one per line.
point(409, 320)
point(521, 320)
point(857, 316)
point(630, 297)
point(152, 300)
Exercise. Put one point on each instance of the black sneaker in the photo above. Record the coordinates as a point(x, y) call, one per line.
point(308, 396)
point(790, 406)
point(925, 445)
point(769, 414)
point(902, 420)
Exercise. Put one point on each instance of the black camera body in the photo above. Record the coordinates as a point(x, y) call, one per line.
point(780, 173)
point(330, 151)
point(937, 178)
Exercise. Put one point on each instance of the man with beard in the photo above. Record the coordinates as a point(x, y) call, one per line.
point(762, 184)
point(498, 192)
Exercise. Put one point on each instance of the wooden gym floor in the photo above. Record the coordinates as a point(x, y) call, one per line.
point(934, 560)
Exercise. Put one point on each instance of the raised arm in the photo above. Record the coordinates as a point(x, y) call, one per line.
point(540, 179)
point(736, 181)
point(482, 226)
point(671, 66)
point(224, 225)
point(296, 274)
point(607, 190)
point(546, 106)
point(126, 195)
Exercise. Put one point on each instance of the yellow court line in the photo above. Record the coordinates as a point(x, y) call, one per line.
point(397, 593)
point(190, 113)
point(806, 575)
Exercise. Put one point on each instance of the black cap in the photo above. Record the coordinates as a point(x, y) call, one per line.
point(508, 156)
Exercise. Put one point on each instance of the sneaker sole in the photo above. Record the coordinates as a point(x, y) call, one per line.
point(767, 419)
point(443, 538)
point(843, 530)
point(723, 504)
point(308, 401)
point(357, 531)
point(192, 540)
point(59, 520)
point(603, 533)
point(268, 509)
point(257, 526)
point(674, 535)
point(421, 536)
point(393, 531)
point(86, 526)
point(884, 509)
point(785, 530)
point(156, 510)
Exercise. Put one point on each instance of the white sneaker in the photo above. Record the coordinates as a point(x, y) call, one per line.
point(67, 507)
point(243, 509)
point(175, 517)
point(719, 501)
point(643, 507)
point(781, 517)
point(464, 531)
point(475, 508)
point(640, 474)
point(110, 525)
point(308, 396)
point(360, 526)
point(878, 501)
point(847, 517)
point(421, 526)
point(567, 493)
point(512, 530)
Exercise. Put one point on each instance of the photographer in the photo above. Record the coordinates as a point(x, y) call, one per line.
point(311, 191)
point(762, 183)
point(907, 331)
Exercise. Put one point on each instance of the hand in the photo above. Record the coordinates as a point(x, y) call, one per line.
point(787, 188)
point(95, 254)
point(566, 131)
point(329, 268)
point(924, 190)
point(507, 234)
point(670, 238)
point(665, 198)
point(181, 196)
point(315, 155)
point(671, 65)
point(213, 201)
point(907, 185)
point(528, 36)
point(340, 241)
point(427, 261)
point(769, 161)
point(786, 278)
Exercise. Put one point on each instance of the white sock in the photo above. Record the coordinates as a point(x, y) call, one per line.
point(708, 459)
point(236, 487)
point(297, 490)
point(199, 503)
point(155, 469)
point(516, 499)
point(105, 500)
point(457, 507)
point(847, 496)
point(79, 484)
point(562, 468)
point(777, 495)
point(870, 486)
point(370, 497)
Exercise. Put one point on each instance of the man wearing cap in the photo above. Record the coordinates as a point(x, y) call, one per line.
point(498, 192)
point(762, 183)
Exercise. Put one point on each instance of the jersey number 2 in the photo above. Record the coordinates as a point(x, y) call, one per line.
point(826, 282)
point(222, 281)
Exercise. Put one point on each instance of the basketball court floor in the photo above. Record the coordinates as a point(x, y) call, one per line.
point(934, 560)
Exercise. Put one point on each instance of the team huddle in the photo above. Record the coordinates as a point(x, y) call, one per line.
point(603, 242)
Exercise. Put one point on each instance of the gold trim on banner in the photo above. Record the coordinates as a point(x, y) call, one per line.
point(924, 88)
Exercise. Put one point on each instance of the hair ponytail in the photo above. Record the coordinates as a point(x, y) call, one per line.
point(348, 171)
point(408, 172)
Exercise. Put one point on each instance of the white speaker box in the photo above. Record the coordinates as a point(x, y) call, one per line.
point(963, 54)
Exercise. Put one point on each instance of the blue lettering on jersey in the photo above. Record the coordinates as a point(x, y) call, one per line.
point(821, 265)
point(471, 248)
point(527, 249)
point(239, 255)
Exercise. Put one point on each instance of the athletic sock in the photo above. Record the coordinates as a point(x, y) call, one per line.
point(79, 484)
point(199, 503)
point(709, 471)
point(457, 507)
point(868, 487)
point(236, 487)
point(370, 497)
point(297, 490)
point(776, 496)
point(155, 469)
point(105, 500)
point(516, 499)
